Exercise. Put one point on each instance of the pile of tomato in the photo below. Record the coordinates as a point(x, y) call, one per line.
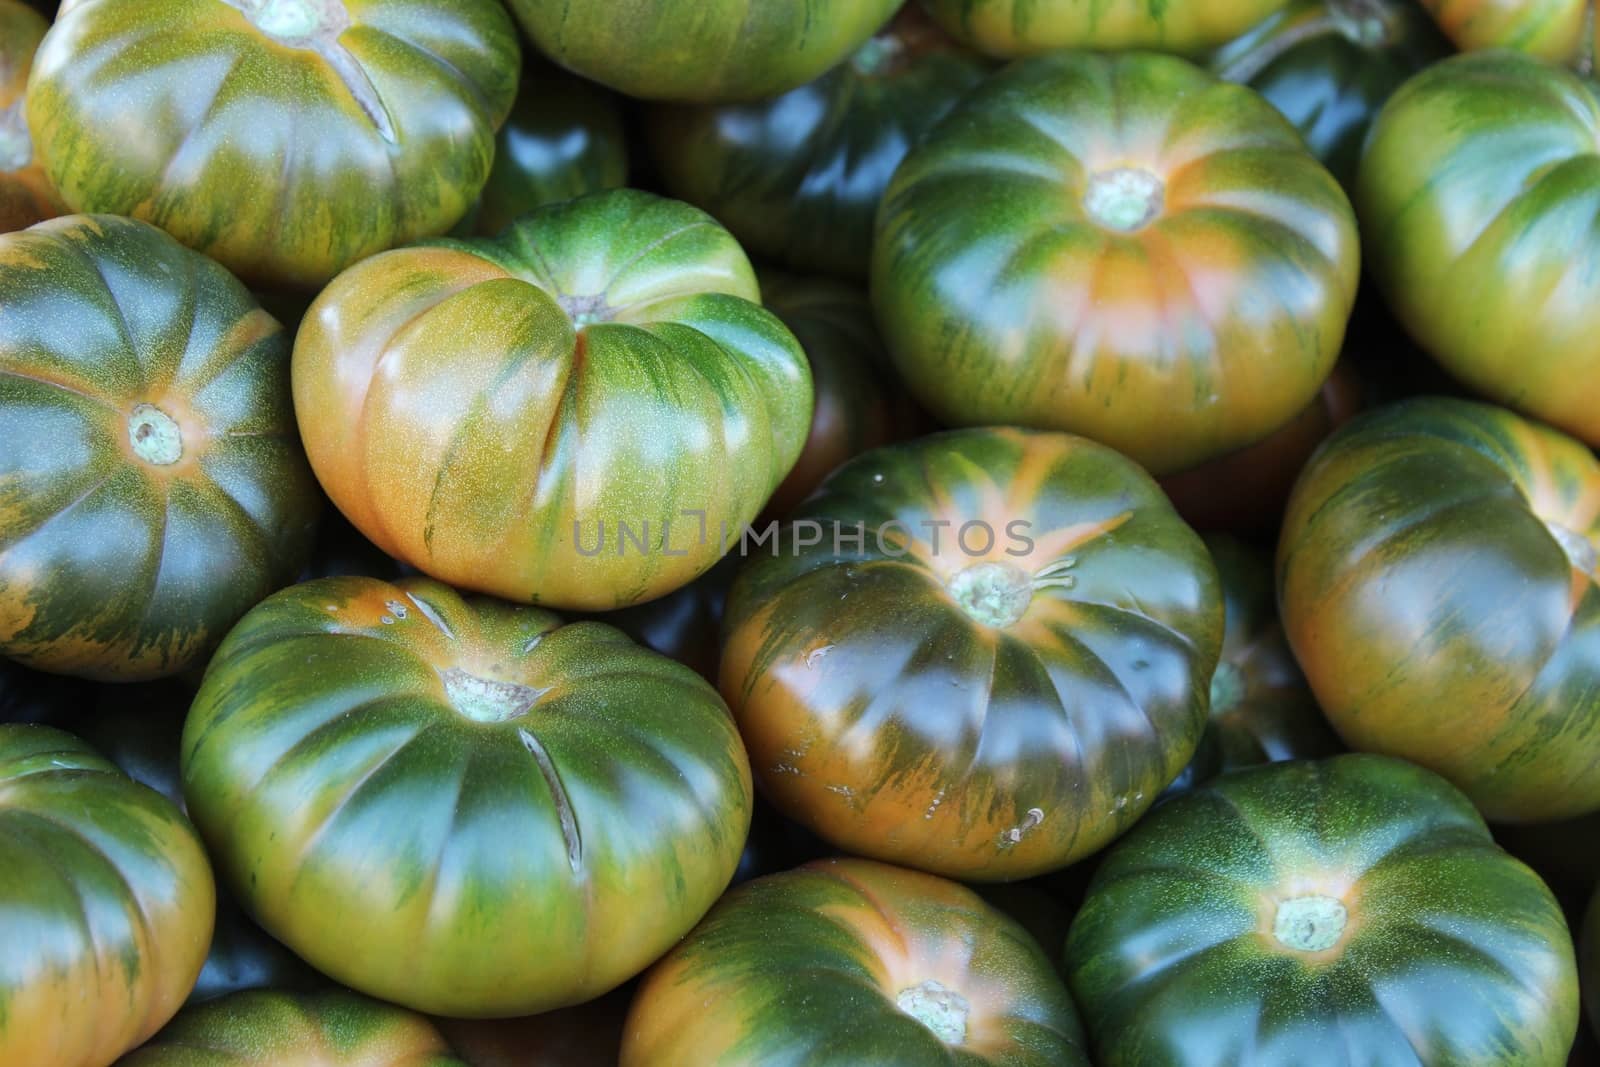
point(799, 533)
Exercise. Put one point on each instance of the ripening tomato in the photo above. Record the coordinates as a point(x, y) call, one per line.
point(1560, 30)
point(26, 196)
point(1010, 28)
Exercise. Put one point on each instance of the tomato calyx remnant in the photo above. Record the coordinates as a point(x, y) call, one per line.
point(1310, 923)
point(586, 310)
point(16, 147)
point(996, 594)
point(487, 700)
point(154, 436)
point(1227, 686)
point(940, 1009)
point(1126, 199)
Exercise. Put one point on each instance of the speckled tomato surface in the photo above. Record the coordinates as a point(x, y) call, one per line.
point(459, 805)
point(1123, 247)
point(285, 138)
point(846, 962)
point(1321, 914)
point(106, 904)
point(274, 1029)
point(152, 485)
point(999, 677)
point(1438, 582)
point(1012, 28)
point(582, 413)
point(1560, 30)
point(26, 196)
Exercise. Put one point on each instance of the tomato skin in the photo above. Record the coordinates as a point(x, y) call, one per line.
point(1329, 65)
point(1436, 579)
point(701, 50)
point(276, 1029)
point(1471, 181)
point(1558, 30)
point(1011, 28)
point(26, 196)
point(1016, 285)
point(168, 399)
point(108, 904)
point(811, 966)
point(265, 152)
point(355, 741)
point(518, 421)
point(798, 178)
point(1315, 914)
point(894, 710)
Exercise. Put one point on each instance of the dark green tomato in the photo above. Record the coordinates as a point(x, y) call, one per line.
point(1262, 710)
point(860, 403)
point(106, 904)
point(564, 139)
point(33, 696)
point(152, 483)
point(846, 963)
point(285, 138)
point(798, 178)
point(701, 50)
point(278, 1029)
point(1329, 65)
point(459, 805)
point(1342, 913)
point(999, 676)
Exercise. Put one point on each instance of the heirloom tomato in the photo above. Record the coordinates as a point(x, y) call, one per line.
point(1010, 28)
point(797, 178)
point(25, 193)
point(1476, 195)
point(1560, 30)
point(701, 50)
point(565, 139)
point(846, 962)
point(859, 401)
point(461, 806)
point(152, 486)
point(106, 904)
point(981, 653)
point(581, 413)
point(285, 138)
point(1120, 246)
point(1262, 711)
point(1321, 914)
point(277, 1029)
point(1437, 578)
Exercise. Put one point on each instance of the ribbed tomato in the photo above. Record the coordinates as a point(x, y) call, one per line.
point(172, 493)
point(844, 963)
point(106, 904)
point(1559, 30)
point(1011, 28)
point(982, 653)
point(705, 50)
point(25, 193)
point(582, 413)
point(459, 805)
point(1119, 246)
point(1438, 582)
point(285, 138)
point(1321, 914)
point(275, 1029)
point(797, 178)
point(1476, 195)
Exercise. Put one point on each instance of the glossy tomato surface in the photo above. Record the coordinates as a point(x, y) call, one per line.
point(459, 805)
point(571, 414)
point(1560, 30)
point(1010, 28)
point(1476, 195)
point(1437, 576)
point(106, 904)
point(701, 50)
point(999, 677)
point(797, 178)
point(172, 492)
point(846, 962)
point(285, 138)
point(25, 193)
point(1329, 65)
point(1119, 246)
point(1322, 914)
point(275, 1029)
